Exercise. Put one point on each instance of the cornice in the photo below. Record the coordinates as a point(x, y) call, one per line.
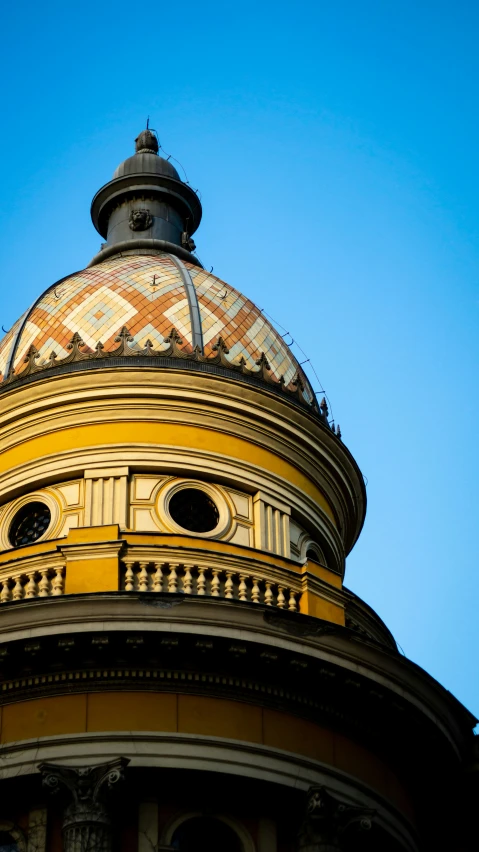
point(95, 550)
point(392, 687)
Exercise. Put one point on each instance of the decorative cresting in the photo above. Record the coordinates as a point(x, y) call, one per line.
point(327, 820)
point(86, 819)
point(78, 351)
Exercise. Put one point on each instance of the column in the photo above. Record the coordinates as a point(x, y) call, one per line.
point(86, 792)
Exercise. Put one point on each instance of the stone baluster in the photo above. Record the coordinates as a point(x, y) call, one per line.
point(18, 589)
point(187, 580)
point(201, 582)
point(31, 587)
point(86, 790)
point(242, 589)
point(129, 574)
point(255, 592)
point(57, 582)
point(327, 820)
point(215, 583)
point(44, 584)
point(158, 578)
point(172, 580)
point(6, 593)
point(229, 586)
point(143, 578)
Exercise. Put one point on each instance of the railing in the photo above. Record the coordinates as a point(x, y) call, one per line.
point(41, 583)
point(157, 576)
point(155, 569)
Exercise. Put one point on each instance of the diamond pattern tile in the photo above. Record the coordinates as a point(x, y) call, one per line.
point(147, 295)
point(244, 329)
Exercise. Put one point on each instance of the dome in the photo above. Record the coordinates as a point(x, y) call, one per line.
point(145, 297)
point(146, 163)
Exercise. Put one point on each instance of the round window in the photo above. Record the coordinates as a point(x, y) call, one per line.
point(29, 524)
point(193, 510)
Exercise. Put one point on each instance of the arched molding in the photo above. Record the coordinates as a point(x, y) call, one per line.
point(16, 833)
point(306, 543)
point(244, 836)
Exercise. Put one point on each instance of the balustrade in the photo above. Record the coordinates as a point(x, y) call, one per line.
point(263, 584)
point(172, 577)
point(36, 583)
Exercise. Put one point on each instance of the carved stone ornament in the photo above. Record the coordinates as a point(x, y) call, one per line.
point(86, 819)
point(187, 242)
point(140, 220)
point(327, 819)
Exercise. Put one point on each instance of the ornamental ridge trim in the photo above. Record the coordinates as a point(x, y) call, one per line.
point(263, 372)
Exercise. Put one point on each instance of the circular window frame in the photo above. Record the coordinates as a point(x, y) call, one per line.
point(167, 491)
point(14, 508)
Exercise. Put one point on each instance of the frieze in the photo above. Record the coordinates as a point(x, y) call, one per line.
point(322, 692)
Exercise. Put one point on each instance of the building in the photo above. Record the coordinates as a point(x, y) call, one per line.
point(181, 665)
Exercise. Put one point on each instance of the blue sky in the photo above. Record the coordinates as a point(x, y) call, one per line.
point(336, 148)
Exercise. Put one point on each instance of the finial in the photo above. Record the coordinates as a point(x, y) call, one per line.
point(146, 142)
point(323, 407)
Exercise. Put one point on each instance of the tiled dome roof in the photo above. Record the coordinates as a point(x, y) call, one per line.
point(149, 295)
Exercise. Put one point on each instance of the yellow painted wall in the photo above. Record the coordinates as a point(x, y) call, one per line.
point(311, 604)
point(92, 570)
point(62, 714)
point(148, 711)
point(322, 573)
point(217, 717)
point(92, 575)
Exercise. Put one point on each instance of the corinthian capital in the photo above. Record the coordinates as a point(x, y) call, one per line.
point(327, 819)
point(86, 784)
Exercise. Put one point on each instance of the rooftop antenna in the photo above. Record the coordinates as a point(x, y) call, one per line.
point(148, 123)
